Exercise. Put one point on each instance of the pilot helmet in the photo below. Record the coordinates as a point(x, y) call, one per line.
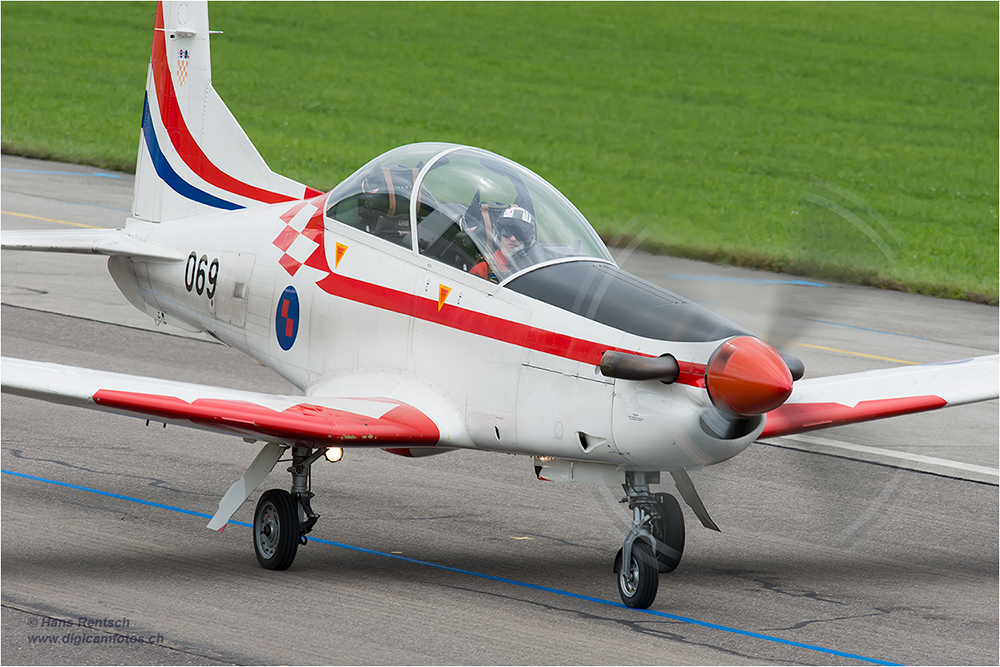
point(519, 223)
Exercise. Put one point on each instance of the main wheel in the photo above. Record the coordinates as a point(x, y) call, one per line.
point(276, 530)
point(639, 580)
point(668, 529)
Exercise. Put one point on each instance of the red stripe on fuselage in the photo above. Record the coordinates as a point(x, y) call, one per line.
point(180, 136)
point(488, 326)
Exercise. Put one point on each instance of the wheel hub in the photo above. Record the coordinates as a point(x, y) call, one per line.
point(267, 534)
point(630, 578)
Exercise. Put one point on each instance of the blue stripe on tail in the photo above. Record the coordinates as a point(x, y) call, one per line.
point(167, 173)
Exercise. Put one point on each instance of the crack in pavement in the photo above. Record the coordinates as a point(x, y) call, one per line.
point(570, 544)
point(794, 592)
point(798, 626)
point(390, 518)
point(634, 626)
point(27, 289)
point(153, 481)
point(124, 515)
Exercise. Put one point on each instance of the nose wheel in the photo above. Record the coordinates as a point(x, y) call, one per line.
point(639, 582)
point(653, 544)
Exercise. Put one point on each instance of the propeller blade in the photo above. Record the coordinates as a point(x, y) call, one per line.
point(795, 365)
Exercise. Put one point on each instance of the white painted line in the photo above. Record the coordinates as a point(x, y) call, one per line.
point(916, 458)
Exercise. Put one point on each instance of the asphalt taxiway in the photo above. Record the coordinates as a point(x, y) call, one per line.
point(869, 543)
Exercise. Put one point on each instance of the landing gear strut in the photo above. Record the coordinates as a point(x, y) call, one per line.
point(653, 545)
point(283, 518)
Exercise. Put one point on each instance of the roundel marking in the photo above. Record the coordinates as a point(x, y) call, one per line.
point(286, 324)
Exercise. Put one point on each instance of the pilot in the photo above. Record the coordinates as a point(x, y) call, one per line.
point(515, 229)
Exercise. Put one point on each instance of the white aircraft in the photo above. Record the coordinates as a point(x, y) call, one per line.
point(441, 297)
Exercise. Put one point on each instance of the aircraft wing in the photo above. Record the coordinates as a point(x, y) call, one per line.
point(307, 421)
point(858, 397)
point(89, 241)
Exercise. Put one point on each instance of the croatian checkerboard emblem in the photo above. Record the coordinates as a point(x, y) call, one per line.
point(301, 239)
point(182, 66)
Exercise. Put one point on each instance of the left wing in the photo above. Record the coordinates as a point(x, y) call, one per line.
point(109, 242)
point(314, 421)
point(859, 397)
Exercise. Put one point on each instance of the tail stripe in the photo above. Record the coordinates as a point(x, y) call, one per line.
point(180, 136)
point(167, 173)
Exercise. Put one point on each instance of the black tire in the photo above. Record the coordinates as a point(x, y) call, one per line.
point(276, 530)
point(638, 583)
point(668, 529)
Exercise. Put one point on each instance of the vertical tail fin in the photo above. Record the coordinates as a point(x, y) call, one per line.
point(193, 155)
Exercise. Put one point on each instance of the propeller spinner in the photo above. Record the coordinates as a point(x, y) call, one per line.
point(747, 377)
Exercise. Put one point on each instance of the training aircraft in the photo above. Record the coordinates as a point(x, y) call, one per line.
point(442, 297)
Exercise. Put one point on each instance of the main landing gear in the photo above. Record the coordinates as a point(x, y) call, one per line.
point(283, 519)
point(653, 545)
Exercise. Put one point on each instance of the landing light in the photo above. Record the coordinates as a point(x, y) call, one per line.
point(334, 454)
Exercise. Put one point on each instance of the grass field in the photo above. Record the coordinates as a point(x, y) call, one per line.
point(778, 135)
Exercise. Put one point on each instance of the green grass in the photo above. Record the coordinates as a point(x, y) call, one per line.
point(713, 128)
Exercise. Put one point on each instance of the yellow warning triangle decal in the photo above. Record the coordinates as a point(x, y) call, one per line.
point(443, 293)
point(341, 249)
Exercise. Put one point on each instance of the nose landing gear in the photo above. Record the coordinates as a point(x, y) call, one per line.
point(654, 543)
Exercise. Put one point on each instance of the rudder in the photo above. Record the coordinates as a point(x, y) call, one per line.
point(194, 157)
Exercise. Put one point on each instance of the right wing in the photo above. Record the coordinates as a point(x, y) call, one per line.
point(313, 421)
point(859, 397)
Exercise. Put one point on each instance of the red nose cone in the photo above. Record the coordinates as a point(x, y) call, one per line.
point(746, 376)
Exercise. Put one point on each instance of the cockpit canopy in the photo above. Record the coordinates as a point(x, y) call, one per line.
point(466, 207)
point(488, 216)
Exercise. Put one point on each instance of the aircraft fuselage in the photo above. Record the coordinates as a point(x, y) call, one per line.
point(335, 310)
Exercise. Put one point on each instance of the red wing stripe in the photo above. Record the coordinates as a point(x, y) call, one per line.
point(303, 423)
point(802, 417)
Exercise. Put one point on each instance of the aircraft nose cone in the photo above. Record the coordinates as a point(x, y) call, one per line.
point(746, 377)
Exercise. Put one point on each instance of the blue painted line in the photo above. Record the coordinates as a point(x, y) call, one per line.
point(609, 603)
point(878, 331)
point(62, 173)
point(480, 575)
point(105, 493)
point(756, 281)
